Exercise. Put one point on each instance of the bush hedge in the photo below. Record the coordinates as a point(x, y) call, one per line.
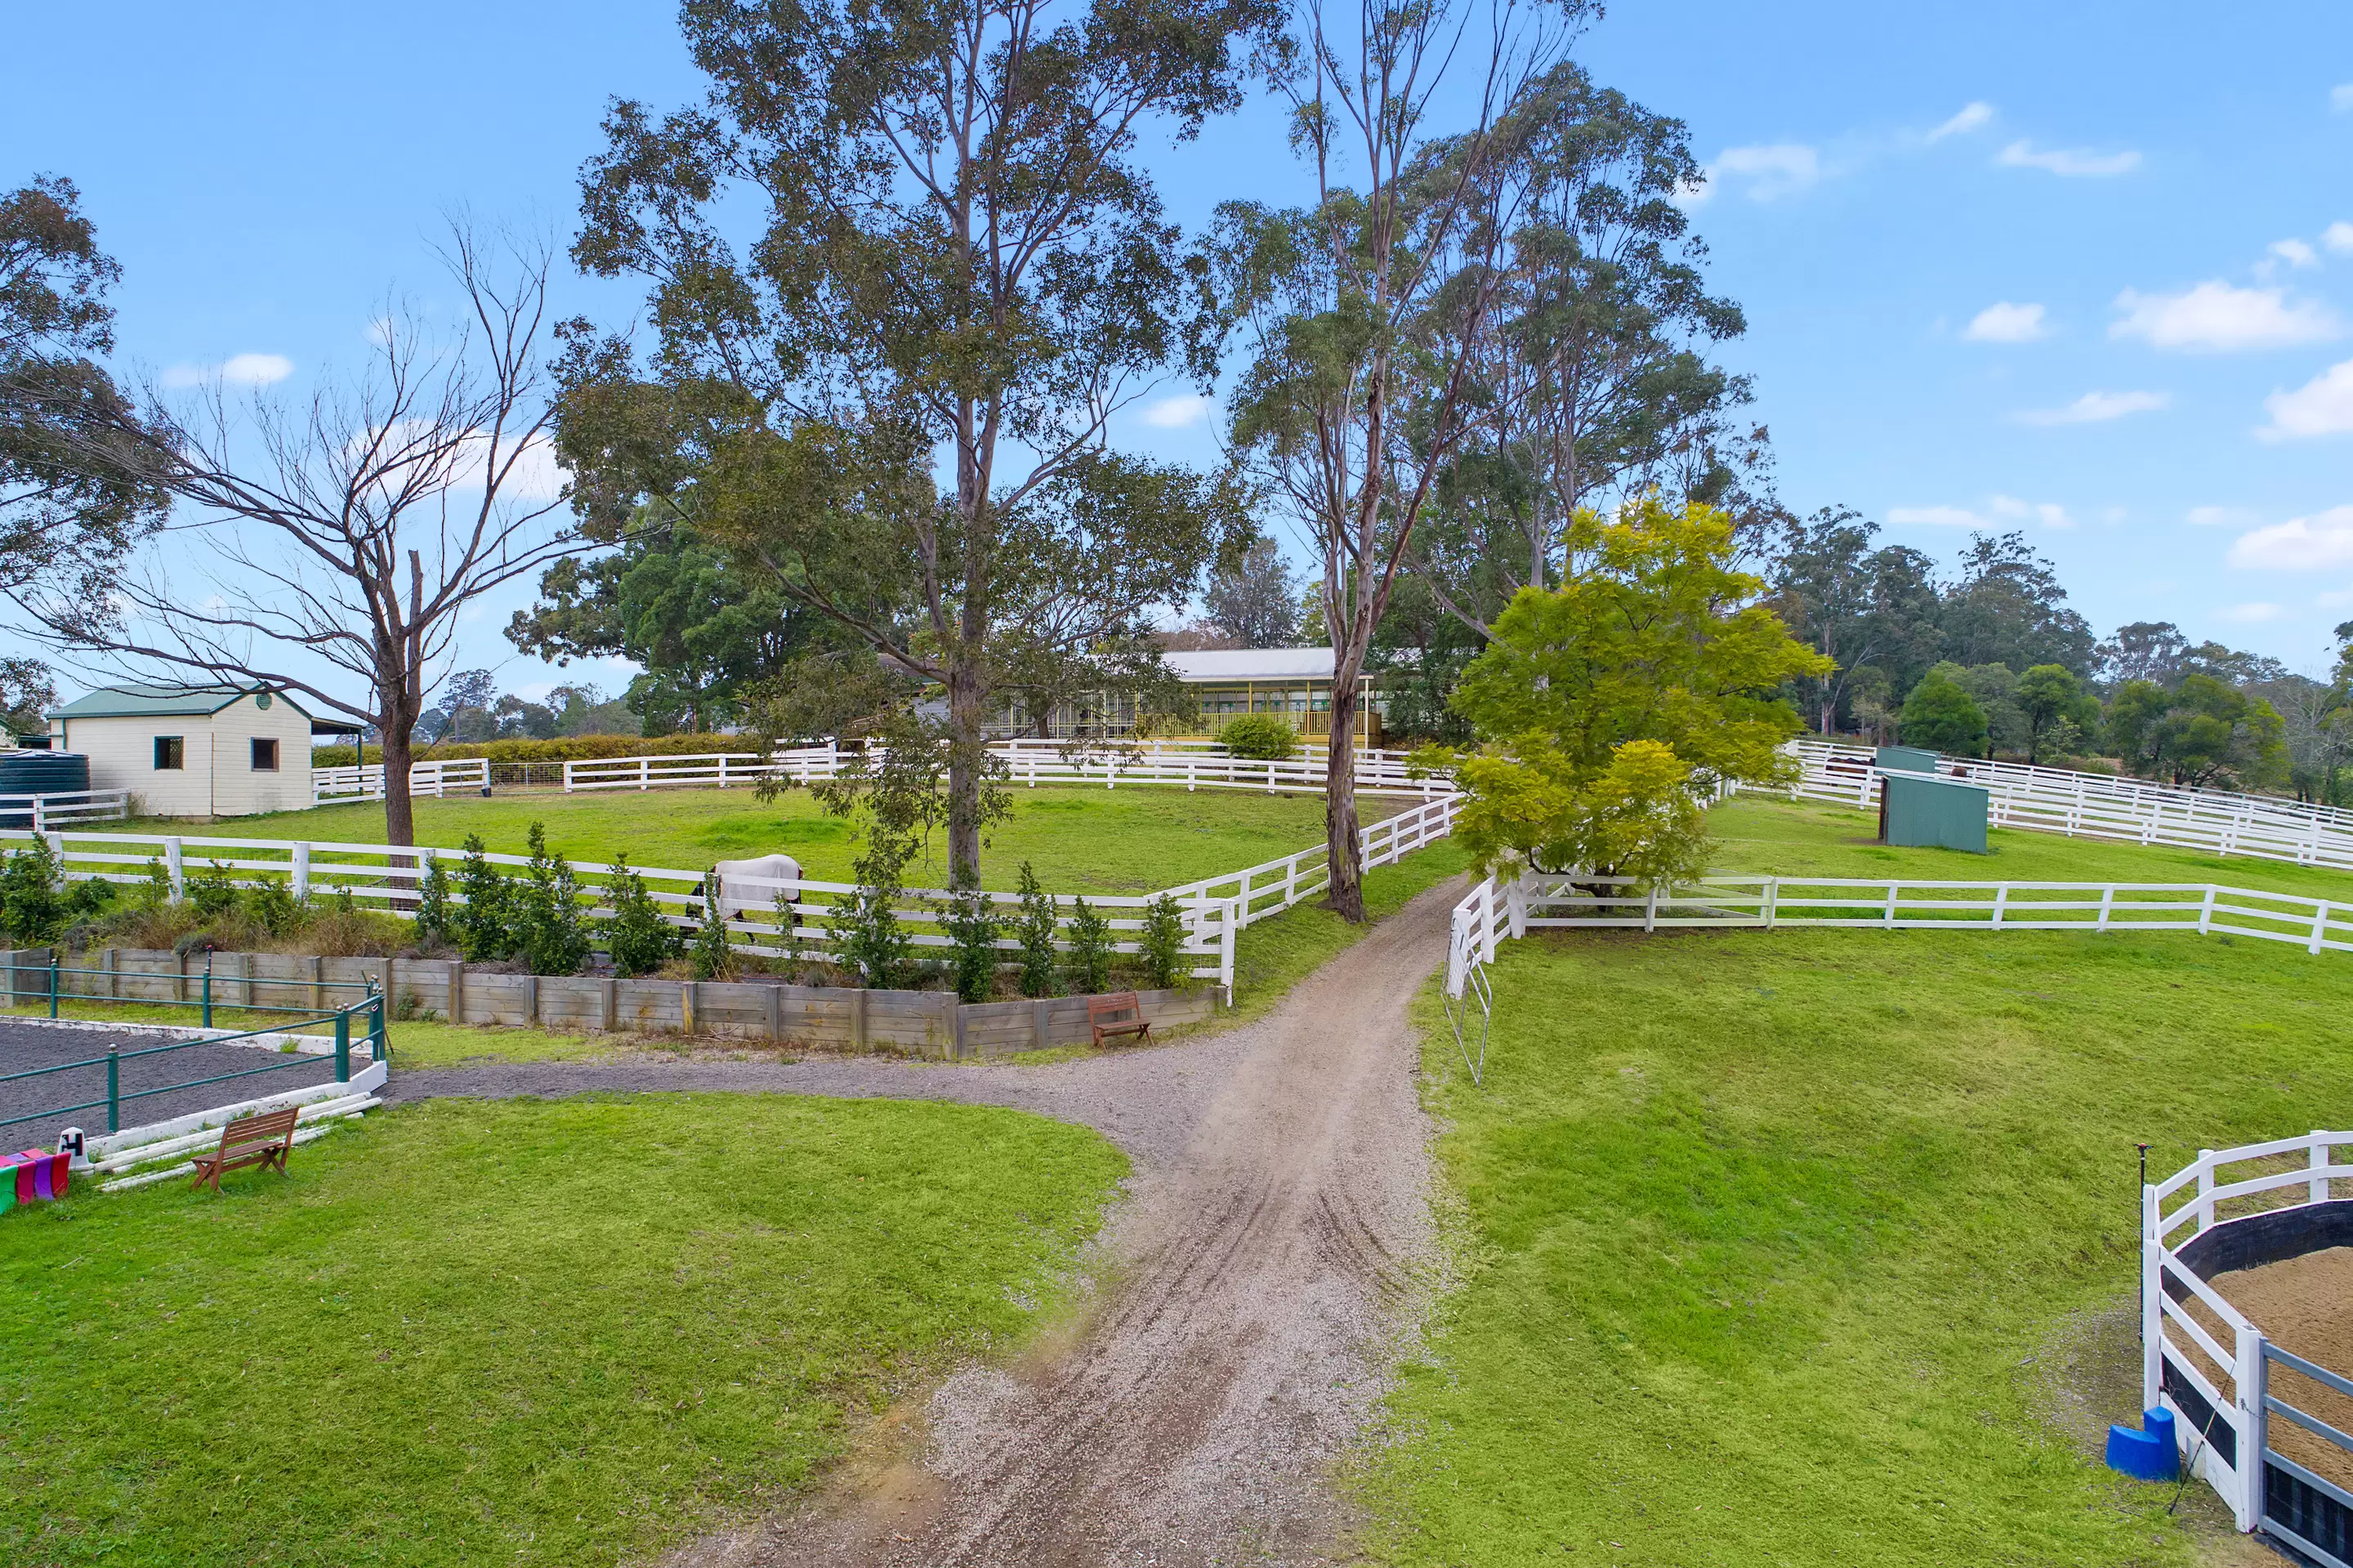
point(568, 748)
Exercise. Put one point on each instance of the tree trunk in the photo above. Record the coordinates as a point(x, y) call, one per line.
point(1346, 897)
point(399, 810)
point(967, 757)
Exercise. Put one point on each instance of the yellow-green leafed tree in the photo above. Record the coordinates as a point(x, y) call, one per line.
point(1604, 707)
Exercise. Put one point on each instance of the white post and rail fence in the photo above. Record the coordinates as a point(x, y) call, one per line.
point(2264, 1425)
point(795, 918)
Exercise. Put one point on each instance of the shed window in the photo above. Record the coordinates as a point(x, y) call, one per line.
point(265, 754)
point(171, 751)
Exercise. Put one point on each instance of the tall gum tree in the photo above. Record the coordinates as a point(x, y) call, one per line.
point(894, 399)
point(1362, 317)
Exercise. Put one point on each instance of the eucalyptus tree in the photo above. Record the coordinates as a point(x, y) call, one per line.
point(1363, 316)
point(1594, 373)
point(892, 396)
point(73, 500)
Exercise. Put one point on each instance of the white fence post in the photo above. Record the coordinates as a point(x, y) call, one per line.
point(2108, 904)
point(644, 774)
point(173, 868)
point(1772, 901)
point(2206, 912)
point(2205, 1191)
point(567, 777)
point(2248, 1379)
point(1515, 906)
point(302, 861)
point(2152, 1301)
point(2319, 924)
point(2316, 1190)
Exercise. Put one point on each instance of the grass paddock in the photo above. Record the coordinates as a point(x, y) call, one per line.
point(1767, 1238)
point(1135, 840)
point(525, 1331)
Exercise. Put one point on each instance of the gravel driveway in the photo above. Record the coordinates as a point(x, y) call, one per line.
point(1271, 1252)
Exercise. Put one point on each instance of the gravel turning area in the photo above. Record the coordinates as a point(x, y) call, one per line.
point(26, 1044)
point(1267, 1266)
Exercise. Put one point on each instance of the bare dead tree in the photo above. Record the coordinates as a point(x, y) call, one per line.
point(343, 536)
point(1363, 316)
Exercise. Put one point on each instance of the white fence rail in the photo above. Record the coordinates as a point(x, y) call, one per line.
point(424, 778)
point(40, 812)
point(1538, 901)
point(2093, 805)
point(2206, 1363)
point(806, 925)
point(1027, 763)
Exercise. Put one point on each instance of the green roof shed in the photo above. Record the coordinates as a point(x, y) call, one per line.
point(1925, 808)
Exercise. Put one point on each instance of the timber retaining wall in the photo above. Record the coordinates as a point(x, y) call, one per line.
point(906, 1023)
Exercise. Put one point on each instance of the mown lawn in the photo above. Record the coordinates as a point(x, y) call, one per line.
point(1806, 839)
point(535, 1333)
point(1129, 841)
point(1770, 1240)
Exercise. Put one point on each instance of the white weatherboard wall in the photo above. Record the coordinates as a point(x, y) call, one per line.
point(218, 778)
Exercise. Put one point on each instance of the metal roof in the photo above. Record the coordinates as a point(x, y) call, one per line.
point(163, 701)
point(1202, 664)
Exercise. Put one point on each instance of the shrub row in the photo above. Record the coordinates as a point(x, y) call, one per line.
point(568, 748)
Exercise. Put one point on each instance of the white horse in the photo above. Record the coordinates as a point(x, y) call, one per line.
point(750, 886)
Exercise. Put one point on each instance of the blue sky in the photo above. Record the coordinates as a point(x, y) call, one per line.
point(2084, 270)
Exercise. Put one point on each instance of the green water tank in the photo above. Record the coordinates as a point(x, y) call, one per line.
point(1907, 758)
point(1925, 808)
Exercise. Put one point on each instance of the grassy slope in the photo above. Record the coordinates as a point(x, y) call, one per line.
point(1806, 839)
point(1758, 1229)
point(1136, 840)
point(518, 1331)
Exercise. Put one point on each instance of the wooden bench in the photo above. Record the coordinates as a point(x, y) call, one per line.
point(263, 1140)
point(1117, 1012)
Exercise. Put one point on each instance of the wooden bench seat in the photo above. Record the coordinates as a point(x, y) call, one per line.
point(1117, 1012)
point(264, 1140)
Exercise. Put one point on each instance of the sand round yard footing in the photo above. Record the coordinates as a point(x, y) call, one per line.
point(2304, 1305)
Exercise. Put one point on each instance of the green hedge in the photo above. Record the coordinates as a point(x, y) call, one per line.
point(571, 748)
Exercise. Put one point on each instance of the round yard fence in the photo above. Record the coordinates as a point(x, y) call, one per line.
point(2247, 1333)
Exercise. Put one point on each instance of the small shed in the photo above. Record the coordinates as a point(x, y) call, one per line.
point(1927, 809)
point(192, 751)
point(1906, 759)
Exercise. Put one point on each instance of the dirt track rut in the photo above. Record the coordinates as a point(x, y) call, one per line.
point(1263, 1273)
point(1277, 1232)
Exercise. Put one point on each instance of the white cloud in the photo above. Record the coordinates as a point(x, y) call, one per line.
point(1935, 517)
point(2095, 408)
point(1778, 169)
point(1177, 412)
point(2300, 544)
point(2070, 163)
point(1971, 116)
point(2049, 514)
point(237, 370)
point(2220, 517)
point(2254, 612)
point(2217, 317)
point(2002, 322)
point(2321, 406)
point(2338, 236)
point(2340, 98)
point(2295, 253)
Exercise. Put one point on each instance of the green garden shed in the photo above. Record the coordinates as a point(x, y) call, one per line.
point(1924, 809)
point(1907, 758)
